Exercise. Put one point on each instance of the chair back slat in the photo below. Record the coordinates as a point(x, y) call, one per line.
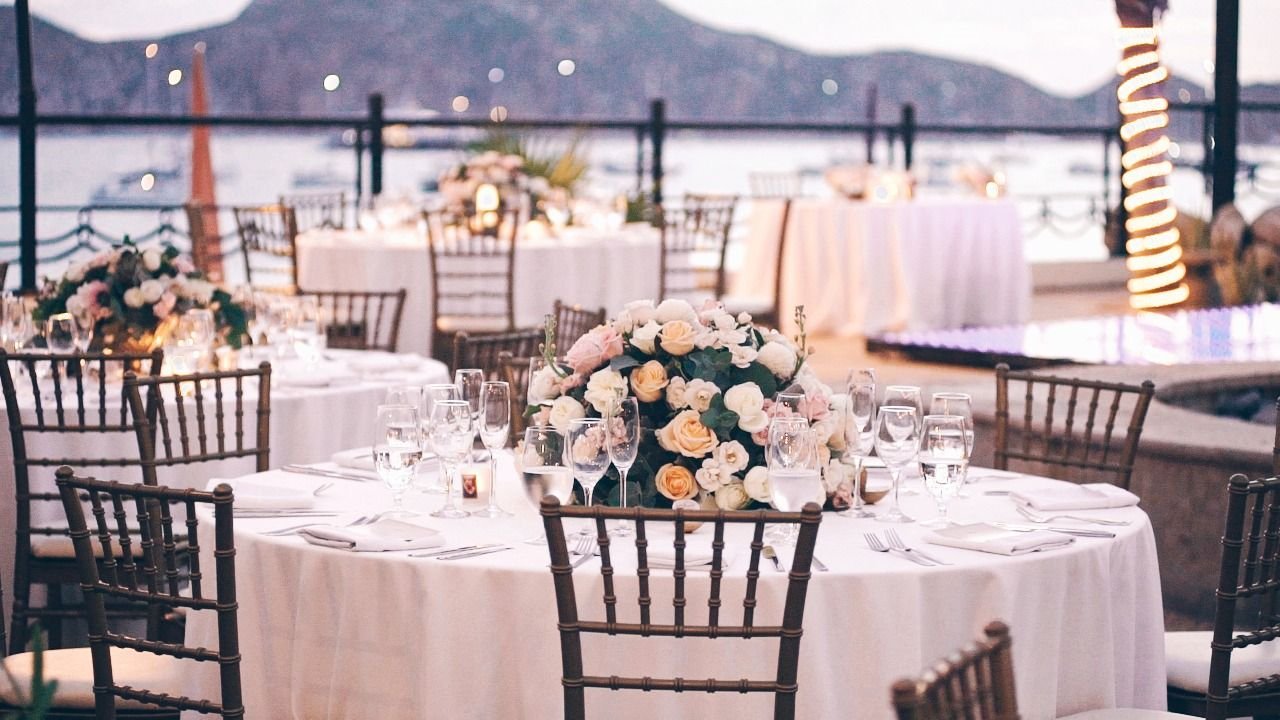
point(317, 210)
point(514, 369)
point(1098, 451)
point(975, 683)
point(137, 509)
point(784, 684)
point(472, 263)
point(360, 319)
point(573, 321)
point(694, 240)
point(269, 244)
point(486, 351)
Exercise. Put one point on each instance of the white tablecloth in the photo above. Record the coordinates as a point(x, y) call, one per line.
point(589, 267)
point(306, 424)
point(327, 633)
point(861, 268)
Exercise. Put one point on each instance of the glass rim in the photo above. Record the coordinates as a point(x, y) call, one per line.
point(952, 395)
point(887, 388)
point(905, 408)
point(944, 416)
point(396, 406)
point(586, 421)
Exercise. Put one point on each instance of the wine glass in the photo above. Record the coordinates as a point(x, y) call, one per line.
point(397, 449)
point(859, 438)
point(897, 442)
point(542, 469)
point(624, 444)
point(431, 394)
point(18, 325)
point(860, 376)
point(495, 426)
point(906, 396)
point(470, 382)
point(82, 331)
point(792, 399)
point(60, 333)
point(588, 455)
point(944, 455)
point(956, 403)
point(794, 476)
point(404, 395)
point(451, 436)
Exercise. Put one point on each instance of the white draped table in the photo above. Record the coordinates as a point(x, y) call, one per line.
point(328, 633)
point(861, 268)
point(584, 266)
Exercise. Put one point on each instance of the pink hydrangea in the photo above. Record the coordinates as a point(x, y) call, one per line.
point(598, 346)
point(89, 295)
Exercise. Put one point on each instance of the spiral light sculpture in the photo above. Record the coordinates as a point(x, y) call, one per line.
point(1155, 255)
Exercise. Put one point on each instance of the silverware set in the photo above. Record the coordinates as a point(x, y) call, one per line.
point(896, 546)
point(461, 552)
point(321, 472)
point(1040, 518)
point(292, 529)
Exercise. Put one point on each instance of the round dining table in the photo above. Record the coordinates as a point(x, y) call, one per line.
point(334, 633)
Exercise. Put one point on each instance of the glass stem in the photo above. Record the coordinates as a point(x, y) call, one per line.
point(897, 483)
point(857, 483)
point(448, 485)
point(622, 486)
point(493, 481)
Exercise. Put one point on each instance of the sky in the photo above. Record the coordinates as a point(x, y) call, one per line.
point(1064, 46)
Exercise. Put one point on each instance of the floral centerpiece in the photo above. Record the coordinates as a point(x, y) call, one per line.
point(504, 171)
point(135, 295)
point(704, 380)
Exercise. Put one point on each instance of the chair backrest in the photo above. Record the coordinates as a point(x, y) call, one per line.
point(783, 686)
point(515, 371)
point(975, 683)
point(573, 321)
point(164, 572)
point(484, 351)
point(4, 273)
point(269, 244)
point(694, 241)
point(1275, 453)
point(774, 184)
point(185, 419)
point(472, 272)
point(1073, 426)
point(774, 316)
point(360, 319)
point(317, 210)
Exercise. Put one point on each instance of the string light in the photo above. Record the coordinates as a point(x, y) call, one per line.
point(1155, 255)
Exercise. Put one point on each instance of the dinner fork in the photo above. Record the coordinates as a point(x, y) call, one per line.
point(586, 548)
point(878, 545)
point(1038, 518)
point(896, 541)
point(362, 520)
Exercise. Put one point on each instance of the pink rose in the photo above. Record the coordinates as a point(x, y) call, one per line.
point(814, 407)
point(183, 265)
point(90, 295)
point(164, 305)
point(595, 348)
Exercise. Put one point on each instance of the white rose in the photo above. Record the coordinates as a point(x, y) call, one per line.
point(748, 402)
point(732, 496)
point(133, 298)
point(544, 386)
point(645, 335)
point(778, 358)
point(564, 410)
point(833, 474)
point(75, 305)
point(699, 393)
point(731, 455)
point(675, 393)
point(605, 386)
point(744, 318)
point(673, 309)
point(724, 321)
point(757, 484)
point(201, 291)
point(640, 311)
point(151, 290)
point(75, 273)
point(712, 475)
point(151, 259)
point(742, 355)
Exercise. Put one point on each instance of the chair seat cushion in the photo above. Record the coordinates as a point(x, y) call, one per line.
point(1187, 660)
point(73, 669)
point(1124, 714)
point(457, 323)
point(59, 547)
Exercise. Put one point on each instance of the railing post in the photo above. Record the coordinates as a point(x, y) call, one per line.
point(26, 148)
point(908, 134)
point(359, 146)
point(375, 144)
point(657, 134)
point(1226, 101)
point(1122, 214)
point(1206, 144)
point(639, 159)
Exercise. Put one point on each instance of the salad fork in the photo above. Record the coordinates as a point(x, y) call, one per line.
point(586, 548)
point(895, 541)
point(876, 544)
point(362, 520)
point(1039, 518)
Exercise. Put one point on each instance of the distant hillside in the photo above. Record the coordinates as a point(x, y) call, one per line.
point(422, 53)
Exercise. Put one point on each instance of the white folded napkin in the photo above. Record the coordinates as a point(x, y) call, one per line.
point(271, 490)
point(697, 552)
point(991, 539)
point(381, 536)
point(1069, 496)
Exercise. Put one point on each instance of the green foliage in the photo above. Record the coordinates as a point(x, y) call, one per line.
point(36, 701)
point(561, 168)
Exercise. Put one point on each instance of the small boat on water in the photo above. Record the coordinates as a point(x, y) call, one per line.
point(147, 186)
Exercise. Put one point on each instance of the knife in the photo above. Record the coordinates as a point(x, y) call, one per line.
point(321, 472)
point(474, 553)
point(452, 550)
point(771, 555)
point(1080, 532)
point(821, 566)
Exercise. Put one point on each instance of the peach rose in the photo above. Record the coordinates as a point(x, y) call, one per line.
point(648, 380)
point(686, 434)
point(677, 337)
point(675, 482)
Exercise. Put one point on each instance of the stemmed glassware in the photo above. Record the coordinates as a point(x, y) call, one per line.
point(82, 331)
point(431, 394)
point(944, 455)
point(860, 376)
point(397, 449)
point(542, 469)
point(794, 475)
point(452, 433)
point(17, 328)
point(791, 399)
point(60, 333)
point(495, 426)
point(906, 396)
point(859, 438)
point(588, 455)
point(956, 403)
point(307, 330)
point(470, 382)
point(897, 442)
point(404, 395)
point(623, 439)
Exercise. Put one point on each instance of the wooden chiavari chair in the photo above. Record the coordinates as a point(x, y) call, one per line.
point(472, 275)
point(317, 210)
point(359, 319)
point(783, 687)
point(167, 572)
point(1275, 453)
point(485, 351)
point(269, 245)
point(694, 239)
point(4, 273)
point(974, 684)
point(774, 184)
point(1080, 446)
point(573, 321)
point(767, 311)
point(71, 397)
point(515, 371)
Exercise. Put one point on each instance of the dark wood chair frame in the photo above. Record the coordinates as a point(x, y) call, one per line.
point(573, 321)
point(361, 319)
point(485, 351)
point(1251, 535)
point(571, 627)
point(515, 371)
point(975, 683)
point(152, 576)
point(272, 231)
point(63, 418)
point(317, 210)
point(1080, 452)
point(702, 226)
point(462, 245)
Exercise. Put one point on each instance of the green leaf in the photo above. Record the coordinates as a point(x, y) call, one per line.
point(622, 362)
point(758, 374)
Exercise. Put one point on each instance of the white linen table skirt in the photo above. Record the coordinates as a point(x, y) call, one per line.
point(585, 266)
point(328, 633)
point(862, 268)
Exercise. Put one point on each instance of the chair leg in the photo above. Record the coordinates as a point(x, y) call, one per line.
point(574, 704)
point(52, 623)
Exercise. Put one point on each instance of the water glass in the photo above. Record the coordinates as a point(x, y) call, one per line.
point(791, 399)
point(624, 444)
point(860, 376)
point(452, 433)
point(82, 331)
point(543, 471)
point(897, 442)
point(495, 426)
point(306, 330)
point(60, 333)
point(905, 396)
point(588, 455)
point(944, 455)
point(795, 477)
point(955, 403)
point(859, 439)
point(404, 395)
point(397, 448)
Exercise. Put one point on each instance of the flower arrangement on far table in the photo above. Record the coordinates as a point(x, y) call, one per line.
point(134, 297)
point(504, 172)
point(704, 380)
